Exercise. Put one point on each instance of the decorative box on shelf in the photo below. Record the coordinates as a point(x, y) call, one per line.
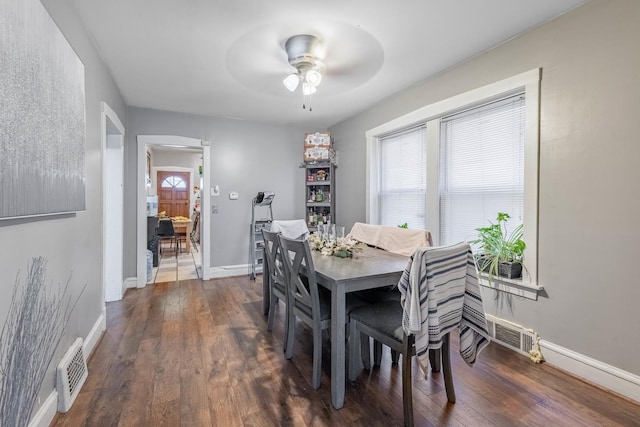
point(317, 146)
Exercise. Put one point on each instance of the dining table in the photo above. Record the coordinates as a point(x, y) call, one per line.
point(367, 269)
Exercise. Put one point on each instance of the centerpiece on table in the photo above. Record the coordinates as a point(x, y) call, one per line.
point(342, 247)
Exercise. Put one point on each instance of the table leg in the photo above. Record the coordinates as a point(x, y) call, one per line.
point(338, 308)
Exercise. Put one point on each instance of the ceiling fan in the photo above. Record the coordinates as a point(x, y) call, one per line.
point(305, 54)
point(331, 59)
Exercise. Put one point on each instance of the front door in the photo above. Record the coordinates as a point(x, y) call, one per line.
point(173, 193)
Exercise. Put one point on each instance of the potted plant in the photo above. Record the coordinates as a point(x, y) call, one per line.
point(500, 253)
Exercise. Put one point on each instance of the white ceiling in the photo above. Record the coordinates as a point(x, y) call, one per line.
point(225, 58)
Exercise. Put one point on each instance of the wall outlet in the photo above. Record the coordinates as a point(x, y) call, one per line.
point(233, 196)
point(214, 209)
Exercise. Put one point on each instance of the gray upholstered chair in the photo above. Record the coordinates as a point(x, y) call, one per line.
point(307, 302)
point(277, 279)
point(440, 292)
point(391, 236)
point(383, 322)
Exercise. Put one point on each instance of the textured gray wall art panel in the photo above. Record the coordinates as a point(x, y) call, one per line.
point(42, 115)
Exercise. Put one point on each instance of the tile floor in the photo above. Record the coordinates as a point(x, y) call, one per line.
point(188, 265)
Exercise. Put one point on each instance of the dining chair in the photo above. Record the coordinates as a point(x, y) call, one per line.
point(392, 239)
point(308, 301)
point(195, 230)
point(440, 292)
point(277, 279)
point(293, 228)
point(167, 232)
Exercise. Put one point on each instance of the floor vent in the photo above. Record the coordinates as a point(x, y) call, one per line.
point(511, 335)
point(71, 375)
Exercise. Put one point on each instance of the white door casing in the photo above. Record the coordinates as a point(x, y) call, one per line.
point(205, 218)
point(112, 134)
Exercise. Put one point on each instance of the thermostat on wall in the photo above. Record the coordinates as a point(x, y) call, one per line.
point(233, 196)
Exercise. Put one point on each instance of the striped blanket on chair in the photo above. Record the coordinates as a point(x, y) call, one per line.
point(440, 292)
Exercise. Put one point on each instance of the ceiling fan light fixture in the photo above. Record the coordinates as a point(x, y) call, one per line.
point(307, 89)
point(291, 82)
point(304, 53)
point(313, 78)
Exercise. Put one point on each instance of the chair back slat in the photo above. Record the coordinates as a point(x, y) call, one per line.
point(273, 255)
point(296, 256)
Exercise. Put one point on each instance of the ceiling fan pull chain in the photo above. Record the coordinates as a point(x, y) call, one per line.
point(304, 102)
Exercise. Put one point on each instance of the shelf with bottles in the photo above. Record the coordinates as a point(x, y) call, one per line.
point(318, 195)
point(317, 215)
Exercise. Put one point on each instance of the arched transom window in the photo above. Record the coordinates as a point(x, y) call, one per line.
point(173, 182)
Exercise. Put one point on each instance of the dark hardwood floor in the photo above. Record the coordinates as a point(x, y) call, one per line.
point(195, 353)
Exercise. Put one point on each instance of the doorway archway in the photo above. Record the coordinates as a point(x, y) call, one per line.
point(205, 218)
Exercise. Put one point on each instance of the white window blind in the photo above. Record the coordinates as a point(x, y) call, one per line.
point(482, 168)
point(403, 178)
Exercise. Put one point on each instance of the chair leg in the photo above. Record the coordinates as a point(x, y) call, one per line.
point(365, 351)
point(291, 329)
point(446, 366)
point(177, 267)
point(395, 356)
point(272, 305)
point(434, 360)
point(407, 392)
point(317, 357)
point(377, 353)
point(286, 326)
point(354, 349)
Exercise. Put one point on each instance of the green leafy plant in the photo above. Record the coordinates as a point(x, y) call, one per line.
point(497, 246)
point(405, 225)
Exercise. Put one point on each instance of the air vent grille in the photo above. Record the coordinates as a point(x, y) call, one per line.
point(511, 335)
point(71, 375)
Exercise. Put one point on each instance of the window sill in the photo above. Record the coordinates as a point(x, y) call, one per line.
point(511, 286)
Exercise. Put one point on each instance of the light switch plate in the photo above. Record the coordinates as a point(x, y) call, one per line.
point(233, 196)
point(215, 190)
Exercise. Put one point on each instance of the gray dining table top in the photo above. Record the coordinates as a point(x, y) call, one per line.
point(366, 266)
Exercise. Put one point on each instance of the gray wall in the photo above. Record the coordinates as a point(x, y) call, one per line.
point(245, 158)
point(589, 202)
point(72, 244)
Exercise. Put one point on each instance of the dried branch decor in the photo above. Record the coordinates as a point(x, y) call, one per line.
point(31, 333)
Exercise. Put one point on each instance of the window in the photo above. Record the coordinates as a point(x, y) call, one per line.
point(403, 179)
point(481, 168)
point(479, 157)
point(173, 182)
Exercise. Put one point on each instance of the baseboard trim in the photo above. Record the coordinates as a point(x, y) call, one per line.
point(130, 282)
point(594, 371)
point(95, 333)
point(229, 271)
point(47, 412)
